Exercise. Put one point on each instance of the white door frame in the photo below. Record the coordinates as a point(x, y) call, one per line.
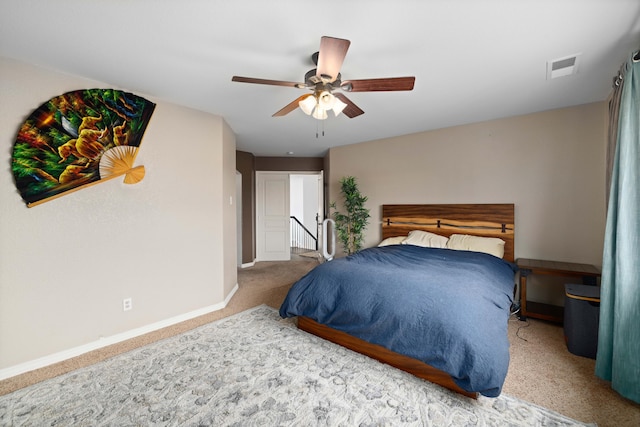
point(320, 210)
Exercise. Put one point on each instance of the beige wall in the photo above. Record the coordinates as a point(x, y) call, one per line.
point(550, 164)
point(168, 242)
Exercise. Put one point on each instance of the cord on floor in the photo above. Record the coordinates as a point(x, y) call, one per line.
point(525, 321)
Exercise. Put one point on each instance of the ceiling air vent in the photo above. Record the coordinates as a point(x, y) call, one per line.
point(560, 67)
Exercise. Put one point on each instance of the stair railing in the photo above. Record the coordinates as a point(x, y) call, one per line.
point(302, 240)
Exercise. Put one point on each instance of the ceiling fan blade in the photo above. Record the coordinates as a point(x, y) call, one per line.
point(291, 106)
point(330, 57)
point(351, 110)
point(379, 85)
point(266, 82)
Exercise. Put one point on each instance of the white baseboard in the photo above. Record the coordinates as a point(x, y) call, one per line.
point(41, 362)
point(248, 264)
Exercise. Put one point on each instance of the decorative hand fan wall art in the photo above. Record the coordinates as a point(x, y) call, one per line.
point(79, 139)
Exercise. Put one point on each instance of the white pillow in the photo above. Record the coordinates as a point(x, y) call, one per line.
point(392, 241)
point(489, 245)
point(426, 239)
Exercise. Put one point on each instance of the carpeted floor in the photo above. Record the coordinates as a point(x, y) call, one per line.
point(542, 371)
point(254, 368)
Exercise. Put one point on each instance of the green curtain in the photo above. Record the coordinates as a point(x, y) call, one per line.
point(618, 358)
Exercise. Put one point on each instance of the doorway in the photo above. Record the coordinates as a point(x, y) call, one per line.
point(304, 212)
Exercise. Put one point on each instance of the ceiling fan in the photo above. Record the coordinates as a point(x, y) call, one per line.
point(326, 79)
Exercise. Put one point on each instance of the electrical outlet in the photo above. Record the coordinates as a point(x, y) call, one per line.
point(127, 304)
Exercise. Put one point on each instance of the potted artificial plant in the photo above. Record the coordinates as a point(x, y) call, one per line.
point(350, 225)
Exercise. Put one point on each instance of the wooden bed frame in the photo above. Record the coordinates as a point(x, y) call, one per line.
point(486, 220)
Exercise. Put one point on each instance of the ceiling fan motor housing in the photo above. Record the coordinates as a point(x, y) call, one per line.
point(312, 80)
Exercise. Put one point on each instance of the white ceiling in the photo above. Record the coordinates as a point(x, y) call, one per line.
point(473, 60)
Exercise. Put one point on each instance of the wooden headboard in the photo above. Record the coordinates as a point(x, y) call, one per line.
point(486, 220)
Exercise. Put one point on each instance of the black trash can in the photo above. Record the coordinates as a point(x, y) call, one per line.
point(581, 318)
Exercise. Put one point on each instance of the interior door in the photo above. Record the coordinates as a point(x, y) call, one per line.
point(273, 241)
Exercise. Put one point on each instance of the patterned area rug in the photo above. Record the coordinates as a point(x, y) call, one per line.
point(254, 369)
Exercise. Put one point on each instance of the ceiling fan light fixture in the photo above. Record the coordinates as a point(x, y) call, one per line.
point(320, 113)
point(326, 100)
point(338, 106)
point(308, 104)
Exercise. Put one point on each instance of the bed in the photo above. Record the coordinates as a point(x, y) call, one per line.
point(436, 307)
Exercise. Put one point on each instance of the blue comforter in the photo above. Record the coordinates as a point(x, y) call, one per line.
point(447, 308)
